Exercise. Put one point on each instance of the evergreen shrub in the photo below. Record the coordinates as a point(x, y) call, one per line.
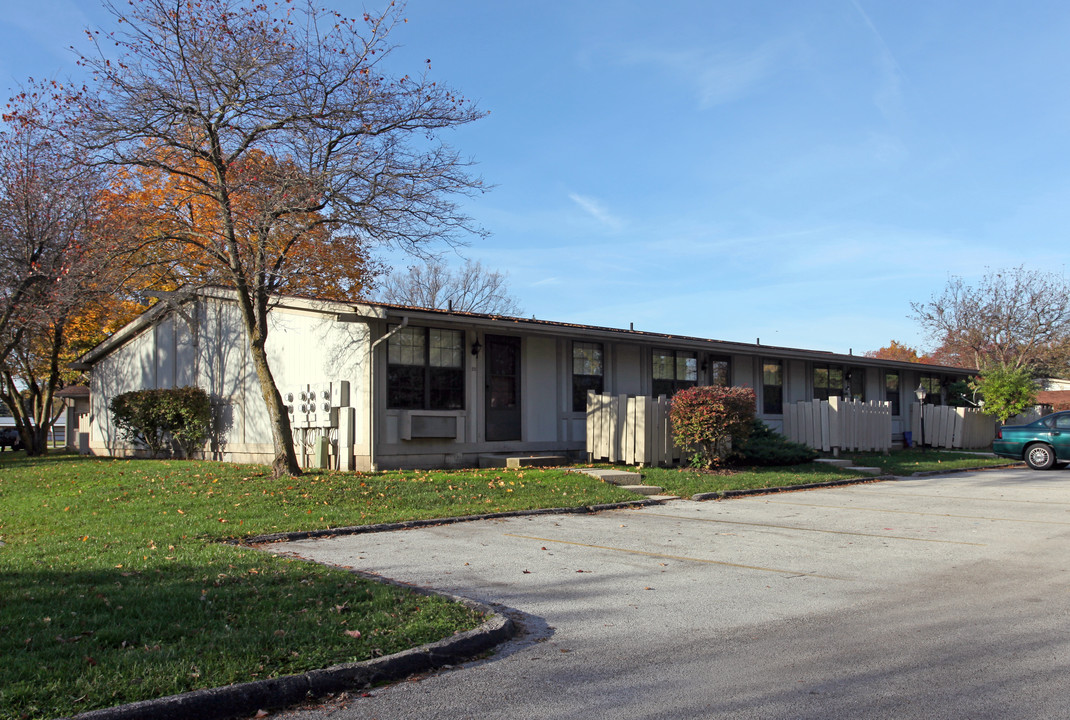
point(156, 418)
point(766, 447)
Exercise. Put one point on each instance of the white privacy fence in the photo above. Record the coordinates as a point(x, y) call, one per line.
point(635, 430)
point(838, 424)
point(82, 424)
point(952, 427)
point(629, 429)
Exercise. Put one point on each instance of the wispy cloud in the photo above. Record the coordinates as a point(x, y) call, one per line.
point(888, 96)
point(717, 77)
point(598, 211)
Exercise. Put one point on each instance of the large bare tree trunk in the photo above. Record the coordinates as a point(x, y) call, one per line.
point(285, 462)
point(254, 314)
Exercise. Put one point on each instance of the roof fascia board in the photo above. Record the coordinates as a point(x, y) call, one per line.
point(544, 327)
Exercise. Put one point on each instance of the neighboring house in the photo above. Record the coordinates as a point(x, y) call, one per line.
point(434, 388)
point(75, 400)
point(1054, 392)
point(68, 403)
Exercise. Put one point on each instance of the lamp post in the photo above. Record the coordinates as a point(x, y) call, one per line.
point(920, 395)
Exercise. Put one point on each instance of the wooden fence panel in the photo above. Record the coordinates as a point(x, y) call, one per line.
point(838, 424)
point(952, 428)
point(629, 429)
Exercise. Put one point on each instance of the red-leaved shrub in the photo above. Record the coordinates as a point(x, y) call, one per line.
point(706, 419)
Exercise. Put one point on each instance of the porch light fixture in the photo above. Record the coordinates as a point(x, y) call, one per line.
point(476, 347)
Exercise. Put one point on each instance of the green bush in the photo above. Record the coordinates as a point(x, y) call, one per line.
point(706, 420)
point(766, 447)
point(156, 418)
point(1006, 391)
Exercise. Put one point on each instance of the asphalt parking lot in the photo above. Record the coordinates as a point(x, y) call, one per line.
point(938, 597)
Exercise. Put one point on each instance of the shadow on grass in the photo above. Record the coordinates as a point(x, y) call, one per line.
point(76, 641)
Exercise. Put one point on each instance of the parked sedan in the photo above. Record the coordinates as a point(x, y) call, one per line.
point(1042, 444)
point(9, 437)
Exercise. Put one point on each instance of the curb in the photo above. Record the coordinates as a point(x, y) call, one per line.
point(245, 699)
point(409, 524)
point(928, 473)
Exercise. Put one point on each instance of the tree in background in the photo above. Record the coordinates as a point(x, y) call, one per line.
point(169, 226)
point(1012, 319)
point(55, 270)
point(472, 288)
point(896, 351)
point(279, 127)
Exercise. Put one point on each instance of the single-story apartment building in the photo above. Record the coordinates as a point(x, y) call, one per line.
point(417, 387)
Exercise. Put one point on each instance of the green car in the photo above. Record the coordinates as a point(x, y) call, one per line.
point(1043, 444)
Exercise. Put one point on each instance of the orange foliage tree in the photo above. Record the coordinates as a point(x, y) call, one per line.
point(896, 351)
point(175, 236)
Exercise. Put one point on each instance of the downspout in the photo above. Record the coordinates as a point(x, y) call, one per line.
point(371, 391)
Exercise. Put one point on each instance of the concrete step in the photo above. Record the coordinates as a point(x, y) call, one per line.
point(643, 489)
point(613, 477)
point(838, 462)
point(536, 461)
point(863, 469)
point(507, 460)
point(632, 482)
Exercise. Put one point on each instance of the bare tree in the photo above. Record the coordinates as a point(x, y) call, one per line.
point(277, 122)
point(1012, 319)
point(472, 288)
point(52, 267)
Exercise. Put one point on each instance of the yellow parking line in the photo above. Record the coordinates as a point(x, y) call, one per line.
point(805, 529)
point(924, 514)
point(677, 557)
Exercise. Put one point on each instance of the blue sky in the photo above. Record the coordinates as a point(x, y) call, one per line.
point(797, 172)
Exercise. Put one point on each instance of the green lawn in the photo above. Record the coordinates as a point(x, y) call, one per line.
point(114, 587)
point(908, 462)
point(686, 482)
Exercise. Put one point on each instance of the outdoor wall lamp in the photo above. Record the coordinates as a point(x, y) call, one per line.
point(476, 347)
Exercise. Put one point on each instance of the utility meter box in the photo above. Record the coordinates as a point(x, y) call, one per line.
point(340, 393)
point(312, 397)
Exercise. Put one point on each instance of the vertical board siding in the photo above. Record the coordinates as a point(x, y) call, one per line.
point(952, 428)
point(837, 424)
point(630, 429)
